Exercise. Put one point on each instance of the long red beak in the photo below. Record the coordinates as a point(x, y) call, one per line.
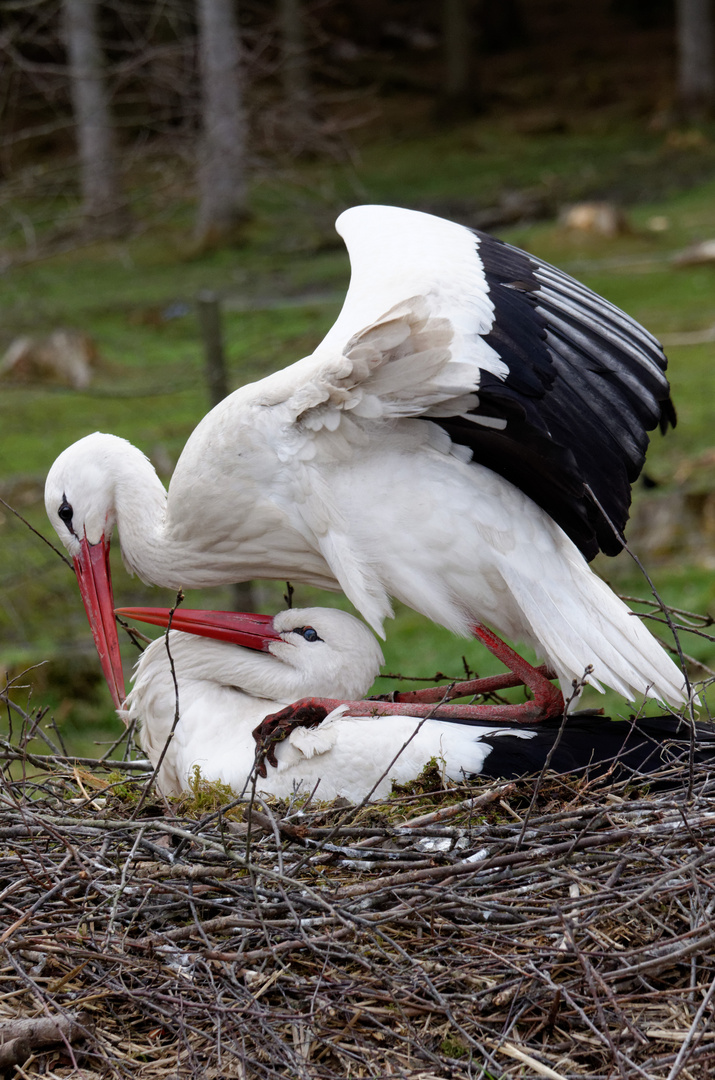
point(250, 630)
point(95, 585)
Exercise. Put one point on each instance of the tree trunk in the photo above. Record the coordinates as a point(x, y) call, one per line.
point(294, 67)
point(460, 92)
point(221, 173)
point(696, 58)
point(99, 173)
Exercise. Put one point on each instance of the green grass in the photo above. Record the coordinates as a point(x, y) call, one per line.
point(150, 387)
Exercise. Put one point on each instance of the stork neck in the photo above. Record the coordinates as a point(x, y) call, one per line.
point(140, 501)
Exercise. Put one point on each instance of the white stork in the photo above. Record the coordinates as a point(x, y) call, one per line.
point(226, 688)
point(463, 439)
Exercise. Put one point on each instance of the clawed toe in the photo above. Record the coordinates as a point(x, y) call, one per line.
point(276, 727)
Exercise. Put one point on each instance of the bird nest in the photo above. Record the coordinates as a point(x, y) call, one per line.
point(555, 928)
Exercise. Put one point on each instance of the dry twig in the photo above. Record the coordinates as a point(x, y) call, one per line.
point(566, 933)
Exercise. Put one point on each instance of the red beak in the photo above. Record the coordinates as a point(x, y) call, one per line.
point(250, 630)
point(95, 585)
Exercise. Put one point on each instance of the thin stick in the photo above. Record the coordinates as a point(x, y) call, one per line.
point(37, 533)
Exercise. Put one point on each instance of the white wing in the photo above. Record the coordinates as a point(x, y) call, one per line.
point(453, 340)
point(409, 339)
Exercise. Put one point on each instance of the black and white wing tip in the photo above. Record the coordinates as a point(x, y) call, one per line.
point(585, 385)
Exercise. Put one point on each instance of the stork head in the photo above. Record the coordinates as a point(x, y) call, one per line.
point(312, 651)
point(81, 500)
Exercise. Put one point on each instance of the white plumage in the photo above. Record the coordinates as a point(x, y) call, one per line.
point(464, 437)
point(225, 690)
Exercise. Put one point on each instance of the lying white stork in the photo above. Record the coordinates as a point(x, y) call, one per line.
point(463, 440)
point(227, 687)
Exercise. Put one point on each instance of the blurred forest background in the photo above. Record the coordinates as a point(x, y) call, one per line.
point(157, 152)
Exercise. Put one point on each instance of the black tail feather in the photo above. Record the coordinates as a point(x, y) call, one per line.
point(595, 746)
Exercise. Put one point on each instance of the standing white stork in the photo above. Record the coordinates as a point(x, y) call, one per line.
point(463, 439)
point(225, 689)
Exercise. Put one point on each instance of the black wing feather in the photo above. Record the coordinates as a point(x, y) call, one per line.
point(585, 385)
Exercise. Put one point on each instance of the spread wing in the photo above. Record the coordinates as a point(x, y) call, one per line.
point(527, 371)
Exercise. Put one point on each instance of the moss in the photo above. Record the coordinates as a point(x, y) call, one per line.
point(204, 796)
point(429, 781)
point(124, 788)
point(453, 1047)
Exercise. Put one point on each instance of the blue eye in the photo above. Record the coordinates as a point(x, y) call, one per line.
point(308, 633)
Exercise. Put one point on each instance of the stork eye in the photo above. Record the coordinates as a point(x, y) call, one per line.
point(308, 633)
point(65, 513)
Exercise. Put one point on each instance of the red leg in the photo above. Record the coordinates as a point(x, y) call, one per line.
point(546, 696)
point(548, 702)
point(488, 685)
point(529, 712)
point(548, 699)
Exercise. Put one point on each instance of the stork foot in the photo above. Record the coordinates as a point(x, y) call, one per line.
point(275, 728)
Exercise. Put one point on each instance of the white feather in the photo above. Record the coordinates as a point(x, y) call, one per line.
point(224, 691)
